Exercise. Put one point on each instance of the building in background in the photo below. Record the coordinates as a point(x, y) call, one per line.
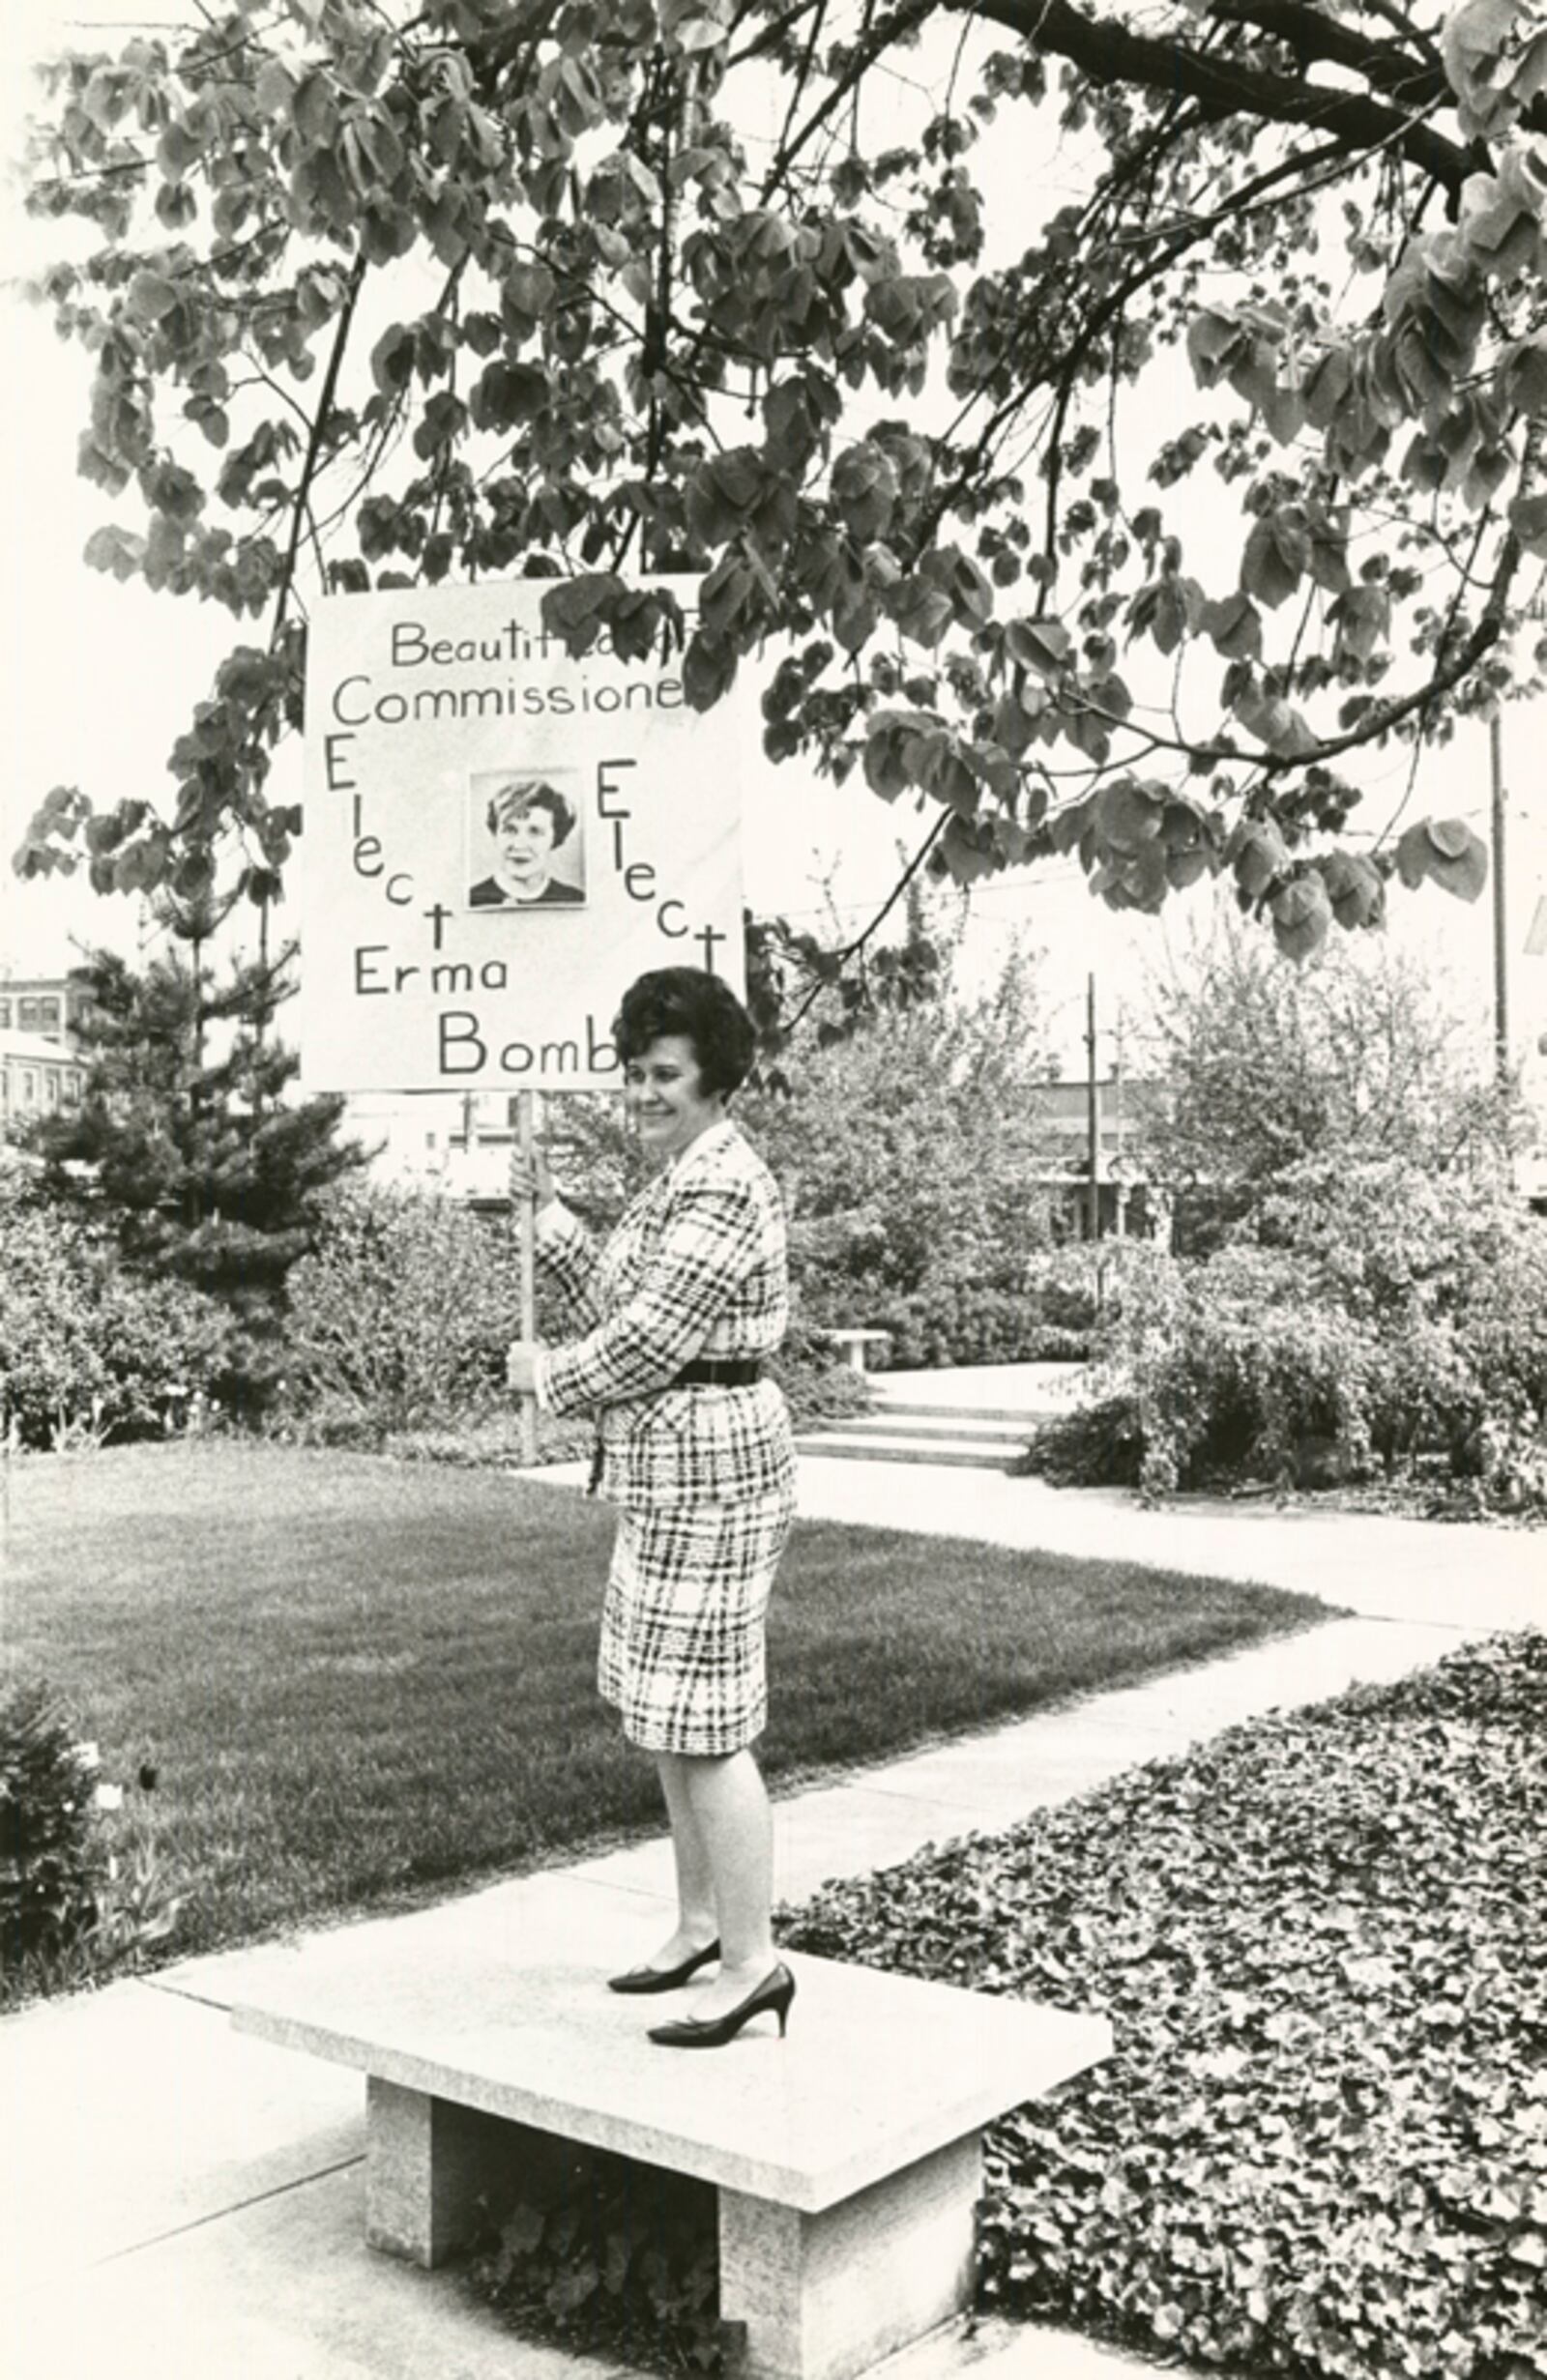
point(1129, 1205)
point(37, 1078)
point(456, 1142)
point(48, 1006)
point(40, 1072)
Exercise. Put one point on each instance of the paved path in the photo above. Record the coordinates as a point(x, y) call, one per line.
point(189, 2201)
point(1457, 1575)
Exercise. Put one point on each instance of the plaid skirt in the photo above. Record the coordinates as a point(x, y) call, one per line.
point(682, 1627)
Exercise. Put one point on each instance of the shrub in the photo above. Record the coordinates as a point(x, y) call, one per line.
point(1383, 1318)
point(904, 1150)
point(48, 1861)
point(1067, 1286)
point(969, 1305)
point(1097, 1441)
point(494, 1440)
point(399, 1317)
point(818, 1384)
point(952, 1318)
point(398, 1329)
point(84, 1884)
point(1074, 1293)
point(88, 1350)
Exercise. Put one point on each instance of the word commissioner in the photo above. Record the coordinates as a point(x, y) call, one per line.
point(358, 701)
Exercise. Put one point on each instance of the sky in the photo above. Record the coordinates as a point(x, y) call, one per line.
point(100, 678)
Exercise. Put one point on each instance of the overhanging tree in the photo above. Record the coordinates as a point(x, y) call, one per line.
point(392, 291)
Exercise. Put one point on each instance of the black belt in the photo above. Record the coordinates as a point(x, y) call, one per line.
point(720, 1372)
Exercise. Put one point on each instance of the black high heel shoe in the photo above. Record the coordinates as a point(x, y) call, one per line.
point(663, 1979)
point(775, 1991)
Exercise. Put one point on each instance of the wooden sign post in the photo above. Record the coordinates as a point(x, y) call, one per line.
point(526, 1142)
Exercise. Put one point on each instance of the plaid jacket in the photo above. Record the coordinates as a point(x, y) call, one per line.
point(695, 1267)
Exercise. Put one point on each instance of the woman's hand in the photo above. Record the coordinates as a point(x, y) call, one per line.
point(530, 1179)
point(522, 1366)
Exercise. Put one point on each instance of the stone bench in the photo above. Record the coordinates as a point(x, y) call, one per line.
point(852, 1344)
point(846, 2159)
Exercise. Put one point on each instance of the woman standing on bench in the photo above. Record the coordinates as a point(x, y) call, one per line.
point(678, 1313)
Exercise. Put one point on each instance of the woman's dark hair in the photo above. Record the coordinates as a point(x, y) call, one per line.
point(530, 794)
point(702, 1009)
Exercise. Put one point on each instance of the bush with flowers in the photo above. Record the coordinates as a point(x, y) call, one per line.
point(84, 1884)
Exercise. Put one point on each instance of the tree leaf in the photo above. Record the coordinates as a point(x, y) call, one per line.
point(1301, 915)
point(1446, 851)
point(1235, 625)
point(1258, 854)
point(1128, 814)
point(152, 296)
point(1041, 645)
point(1277, 556)
point(1528, 518)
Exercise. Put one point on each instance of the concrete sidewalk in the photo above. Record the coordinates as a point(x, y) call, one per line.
point(188, 2201)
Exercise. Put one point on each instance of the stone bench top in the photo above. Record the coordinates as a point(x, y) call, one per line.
point(877, 2071)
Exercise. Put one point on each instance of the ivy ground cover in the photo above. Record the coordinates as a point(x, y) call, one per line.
point(1320, 2147)
point(357, 1680)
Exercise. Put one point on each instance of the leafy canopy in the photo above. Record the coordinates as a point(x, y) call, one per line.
point(754, 293)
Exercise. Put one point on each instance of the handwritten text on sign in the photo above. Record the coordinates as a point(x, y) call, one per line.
point(498, 839)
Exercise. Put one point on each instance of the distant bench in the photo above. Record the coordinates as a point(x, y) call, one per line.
point(853, 1344)
point(846, 2159)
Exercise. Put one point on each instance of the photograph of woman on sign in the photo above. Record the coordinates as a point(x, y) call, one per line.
point(526, 833)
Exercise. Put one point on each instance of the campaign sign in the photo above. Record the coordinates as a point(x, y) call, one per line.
point(498, 838)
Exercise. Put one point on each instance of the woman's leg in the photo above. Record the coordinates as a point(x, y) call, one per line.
point(731, 1820)
point(697, 1916)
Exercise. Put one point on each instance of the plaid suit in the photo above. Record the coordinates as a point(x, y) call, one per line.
point(696, 1266)
point(704, 1475)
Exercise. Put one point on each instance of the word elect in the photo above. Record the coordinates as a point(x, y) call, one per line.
point(455, 963)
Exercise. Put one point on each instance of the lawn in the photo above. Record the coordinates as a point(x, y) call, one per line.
point(359, 1680)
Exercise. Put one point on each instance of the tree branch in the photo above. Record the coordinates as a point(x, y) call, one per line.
point(313, 457)
point(1111, 54)
point(852, 950)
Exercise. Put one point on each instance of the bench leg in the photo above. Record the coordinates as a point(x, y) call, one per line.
point(824, 2296)
point(427, 2165)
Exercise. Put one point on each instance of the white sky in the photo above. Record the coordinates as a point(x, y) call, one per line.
point(100, 678)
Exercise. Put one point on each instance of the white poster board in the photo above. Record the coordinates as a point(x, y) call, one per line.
point(498, 838)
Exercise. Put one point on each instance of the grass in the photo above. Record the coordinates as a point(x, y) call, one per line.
point(359, 1681)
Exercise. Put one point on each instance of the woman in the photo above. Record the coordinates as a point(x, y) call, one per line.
point(528, 819)
point(678, 1311)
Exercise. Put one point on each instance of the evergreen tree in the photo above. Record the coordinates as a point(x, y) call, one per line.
point(185, 1134)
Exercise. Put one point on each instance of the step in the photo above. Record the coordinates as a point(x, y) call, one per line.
point(895, 1421)
point(912, 1409)
point(844, 1446)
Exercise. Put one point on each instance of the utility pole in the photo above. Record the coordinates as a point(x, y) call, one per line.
point(1093, 1117)
point(1501, 910)
point(1119, 1154)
